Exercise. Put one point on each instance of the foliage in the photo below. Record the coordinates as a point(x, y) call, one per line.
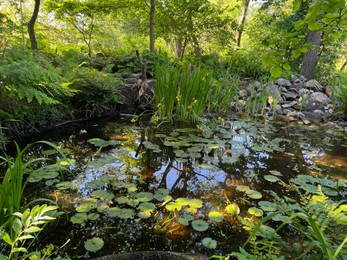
point(16, 227)
point(189, 87)
point(95, 91)
point(339, 83)
point(25, 227)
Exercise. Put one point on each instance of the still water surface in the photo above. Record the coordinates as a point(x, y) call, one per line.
point(206, 162)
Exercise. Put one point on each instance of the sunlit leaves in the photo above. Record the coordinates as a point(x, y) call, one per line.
point(233, 209)
point(216, 216)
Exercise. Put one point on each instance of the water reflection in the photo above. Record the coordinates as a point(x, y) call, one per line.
point(207, 163)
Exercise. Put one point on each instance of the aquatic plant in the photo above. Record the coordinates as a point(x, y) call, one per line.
point(15, 226)
point(181, 92)
point(166, 89)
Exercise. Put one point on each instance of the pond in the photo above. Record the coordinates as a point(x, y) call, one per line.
point(181, 188)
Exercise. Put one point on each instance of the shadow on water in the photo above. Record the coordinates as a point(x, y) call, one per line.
point(130, 174)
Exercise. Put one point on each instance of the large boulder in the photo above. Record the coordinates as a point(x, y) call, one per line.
point(317, 100)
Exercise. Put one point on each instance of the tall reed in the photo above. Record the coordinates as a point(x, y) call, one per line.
point(194, 89)
point(167, 80)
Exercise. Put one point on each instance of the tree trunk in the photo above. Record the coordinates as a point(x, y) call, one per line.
point(197, 49)
point(310, 57)
point(31, 26)
point(151, 27)
point(242, 25)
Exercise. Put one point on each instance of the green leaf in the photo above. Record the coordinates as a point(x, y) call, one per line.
point(255, 212)
point(6, 238)
point(79, 218)
point(25, 237)
point(299, 25)
point(144, 196)
point(253, 194)
point(19, 250)
point(32, 229)
point(94, 244)
point(209, 243)
point(233, 209)
point(17, 225)
point(144, 214)
point(147, 206)
point(276, 72)
point(271, 178)
point(200, 225)
point(103, 194)
point(216, 216)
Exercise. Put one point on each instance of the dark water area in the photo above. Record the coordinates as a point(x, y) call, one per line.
point(205, 163)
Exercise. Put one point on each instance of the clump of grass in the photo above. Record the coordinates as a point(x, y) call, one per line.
point(194, 88)
point(181, 92)
point(167, 80)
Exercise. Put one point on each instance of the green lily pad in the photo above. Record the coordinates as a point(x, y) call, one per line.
point(200, 225)
point(195, 203)
point(144, 196)
point(131, 187)
point(94, 244)
point(209, 243)
point(255, 212)
point(133, 202)
point(122, 200)
point(271, 178)
point(103, 194)
point(233, 209)
point(162, 195)
point(144, 214)
point(147, 206)
point(120, 213)
point(102, 208)
point(184, 220)
point(64, 185)
point(87, 205)
point(79, 218)
point(253, 194)
point(95, 184)
point(183, 201)
point(267, 206)
point(93, 216)
point(173, 206)
point(216, 216)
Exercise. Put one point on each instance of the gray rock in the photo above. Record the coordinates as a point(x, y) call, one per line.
point(313, 116)
point(283, 82)
point(298, 84)
point(290, 96)
point(302, 78)
point(304, 92)
point(329, 91)
point(319, 112)
point(315, 85)
point(275, 93)
point(317, 100)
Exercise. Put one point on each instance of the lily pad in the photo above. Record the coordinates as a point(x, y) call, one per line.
point(276, 173)
point(173, 206)
point(79, 218)
point(195, 203)
point(147, 206)
point(144, 196)
point(87, 205)
point(271, 178)
point(94, 244)
point(133, 202)
point(209, 243)
point(200, 225)
point(122, 200)
point(253, 194)
point(144, 214)
point(255, 212)
point(103, 194)
point(216, 216)
point(233, 209)
point(64, 185)
point(267, 206)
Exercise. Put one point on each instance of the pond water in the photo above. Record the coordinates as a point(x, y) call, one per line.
point(144, 188)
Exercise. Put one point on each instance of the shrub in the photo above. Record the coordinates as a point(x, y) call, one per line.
point(95, 92)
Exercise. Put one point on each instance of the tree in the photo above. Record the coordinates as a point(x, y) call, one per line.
point(310, 57)
point(243, 21)
point(151, 26)
point(31, 26)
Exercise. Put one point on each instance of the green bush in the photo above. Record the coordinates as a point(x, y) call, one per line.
point(95, 92)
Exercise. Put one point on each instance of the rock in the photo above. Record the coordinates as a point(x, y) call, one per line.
point(243, 93)
point(294, 90)
point(317, 100)
point(302, 78)
point(315, 85)
point(298, 84)
point(291, 104)
point(329, 91)
point(279, 110)
point(303, 92)
point(289, 96)
point(283, 82)
point(319, 112)
point(274, 93)
point(313, 116)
